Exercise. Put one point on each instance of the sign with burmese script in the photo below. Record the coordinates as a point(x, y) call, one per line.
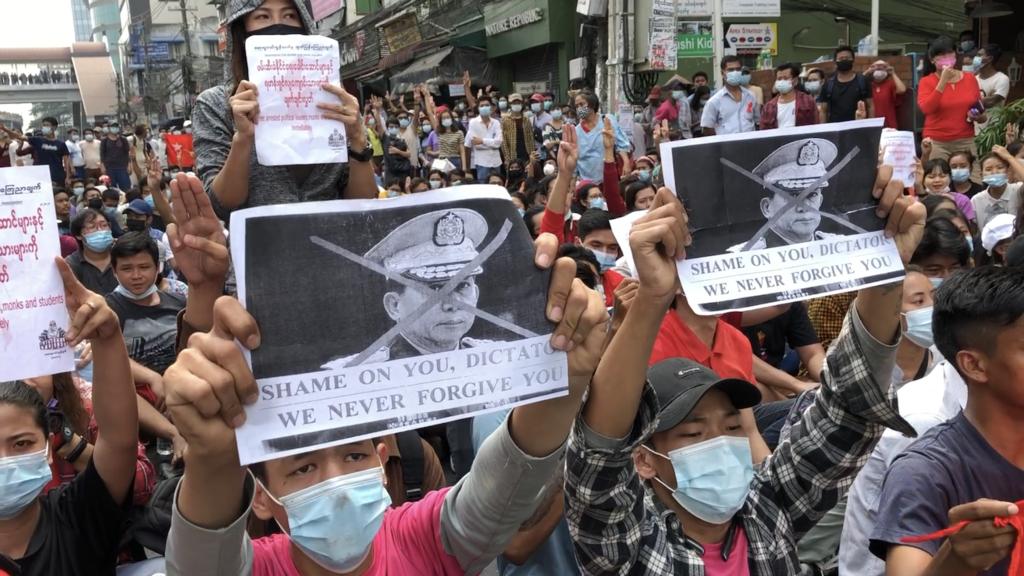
point(780, 215)
point(382, 316)
point(33, 317)
point(289, 72)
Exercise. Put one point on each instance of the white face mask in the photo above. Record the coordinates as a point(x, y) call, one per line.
point(549, 169)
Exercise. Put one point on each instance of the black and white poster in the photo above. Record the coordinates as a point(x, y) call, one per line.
point(385, 315)
point(780, 215)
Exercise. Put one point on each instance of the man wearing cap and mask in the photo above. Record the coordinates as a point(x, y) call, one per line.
point(517, 132)
point(659, 471)
point(429, 249)
point(792, 168)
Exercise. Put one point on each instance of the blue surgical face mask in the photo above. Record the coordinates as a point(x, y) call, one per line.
point(978, 62)
point(548, 104)
point(605, 259)
point(936, 282)
point(47, 130)
point(598, 203)
point(783, 86)
point(919, 327)
point(678, 94)
point(132, 296)
point(969, 68)
point(712, 477)
point(334, 522)
point(149, 200)
point(556, 114)
point(392, 131)
point(403, 122)
point(434, 184)
point(813, 86)
point(745, 80)
point(99, 241)
point(517, 108)
point(960, 174)
point(22, 478)
point(78, 190)
point(535, 107)
point(485, 111)
point(734, 77)
point(644, 175)
point(502, 105)
point(446, 122)
point(995, 180)
point(426, 128)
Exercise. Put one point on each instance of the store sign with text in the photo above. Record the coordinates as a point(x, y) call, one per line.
point(753, 38)
point(515, 21)
point(731, 8)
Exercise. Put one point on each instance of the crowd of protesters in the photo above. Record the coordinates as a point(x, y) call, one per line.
point(809, 438)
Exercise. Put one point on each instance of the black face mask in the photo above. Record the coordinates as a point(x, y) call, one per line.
point(96, 204)
point(277, 30)
point(844, 65)
point(136, 225)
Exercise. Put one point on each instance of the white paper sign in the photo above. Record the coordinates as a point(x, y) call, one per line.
point(620, 229)
point(900, 152)
point(33, 318)
point(288, 72)
point(416, 311)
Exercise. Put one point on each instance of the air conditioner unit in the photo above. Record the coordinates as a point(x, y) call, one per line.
point(577, 69)
point(592, 7)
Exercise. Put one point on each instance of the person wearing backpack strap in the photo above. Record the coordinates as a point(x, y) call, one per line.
point(846, 94)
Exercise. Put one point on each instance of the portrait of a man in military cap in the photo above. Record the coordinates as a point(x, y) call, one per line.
point(791, 168)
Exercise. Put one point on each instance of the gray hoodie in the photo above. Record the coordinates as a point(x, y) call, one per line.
point(213, 129)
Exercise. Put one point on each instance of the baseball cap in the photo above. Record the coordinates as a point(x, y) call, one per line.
point(999, 228)
point(139, 206)
point(537, 97)
point(680, 383)
point(655, 93)
point(515, 97)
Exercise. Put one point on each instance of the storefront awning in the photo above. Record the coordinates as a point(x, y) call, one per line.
point(444, 67)
point(97, 84)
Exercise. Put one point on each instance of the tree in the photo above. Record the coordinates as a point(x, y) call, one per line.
point(59, 110)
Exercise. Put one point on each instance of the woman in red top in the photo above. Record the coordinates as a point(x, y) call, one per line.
point(951, 102)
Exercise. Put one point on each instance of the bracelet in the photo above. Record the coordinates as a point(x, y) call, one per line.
point(76, 451)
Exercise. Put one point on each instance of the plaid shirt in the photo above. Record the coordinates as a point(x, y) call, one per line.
point(827, 313)
point(619, 526)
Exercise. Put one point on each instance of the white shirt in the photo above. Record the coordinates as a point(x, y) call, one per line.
point(923, 403)
point(160, 149)
point(76, 153)
point(986, 207)
point(728, 116)
point(786, 116)
point(997, 83)
point(487, 154)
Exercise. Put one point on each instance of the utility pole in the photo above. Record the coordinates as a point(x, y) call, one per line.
point(187, 80)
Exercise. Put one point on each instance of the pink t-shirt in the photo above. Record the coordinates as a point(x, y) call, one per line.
point(408, 544)
point(736, 565)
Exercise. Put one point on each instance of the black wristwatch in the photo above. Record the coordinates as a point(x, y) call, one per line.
point(364, 156)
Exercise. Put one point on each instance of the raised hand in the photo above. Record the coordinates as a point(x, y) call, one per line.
point(608, 134)
point(862, 110)
point(346, 112)
point(91, 317)
point(245, 109)
point(197, 238)
point(568, 151)
point(905, 215)
point(657, 240)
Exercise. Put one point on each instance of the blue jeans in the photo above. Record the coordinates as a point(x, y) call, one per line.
point(456, 161)
point(80, 172)
point(119, 177)
point(483, 172)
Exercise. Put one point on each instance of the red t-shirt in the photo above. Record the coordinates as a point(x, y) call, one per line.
point(945, 113)
point(407, 544)
point(886, 101)
point(730, 355)
point(736, 565)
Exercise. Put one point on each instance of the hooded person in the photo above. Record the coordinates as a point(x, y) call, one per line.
point(225, 117)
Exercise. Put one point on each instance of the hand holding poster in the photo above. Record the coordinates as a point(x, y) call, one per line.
point(899, 151)
point(419, 310)
point(288, 72)
point(33, 318)
point(780, 216)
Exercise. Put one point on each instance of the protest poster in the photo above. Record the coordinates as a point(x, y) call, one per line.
point(899, 150)
point(33, 318)
point(179, 150)
point(382, 316)
point(780, 215)
point(288, 72)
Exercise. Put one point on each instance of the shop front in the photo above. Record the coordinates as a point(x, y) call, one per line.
point(531, 42)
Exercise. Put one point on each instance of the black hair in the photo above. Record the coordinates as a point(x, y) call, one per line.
point(933, 201)
point(728, 59)
point(111, 193)
point(579, 198)
point(942, 238)
point(440, 173)
point(395, 182)
point(592, 100)
point(934, 163)
point(484, 98)
point(843, 48)
point(391, 121)
point(584, 260)
point(794, 70)
point(133, 243)
point(21, 395)
point(592, 221)
point(634, 188)
point(992, 156)
point(972, 306)
point(50, 120)
point(416, 182)
point(528, 217)
point(84, 217)
point(700, 92)
point(1014, 147)
point(699, 73)
point(967, 153)
point(993, 51)
point(967, 33)
point(940, 45)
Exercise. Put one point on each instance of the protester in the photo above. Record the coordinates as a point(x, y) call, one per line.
point(90, 148)
point(591, 130)
point(733, 108)
point(960, 164)
point(62, 206)
point(639, 195)
point(48, 150)
point(846, 95)
point(813, 82)
point(225, 118)
point(965, 469)
point(787, 342)
point(451, 138)
point(996, 237)
point(676, 108)
point(1000, 196)
point(77, 161)
point(484, 138)
point(551, 134)
point(994, 85)
point(948, 97)
point(662, 481)
point(792, 106)
point(91, 263)
point(943, 250)
point(115, 156)
point(887, 90)
point(937, 180)
point(75, 529)
point(516, 133)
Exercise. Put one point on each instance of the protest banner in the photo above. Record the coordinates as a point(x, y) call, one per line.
point(378, 317)
point(288, 72)
point(179, 150)
point(33, 317)
point(780, 215)
point(899, 151)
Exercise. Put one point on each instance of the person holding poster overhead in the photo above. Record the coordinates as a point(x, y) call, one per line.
point(75, 529)
point(225, 119)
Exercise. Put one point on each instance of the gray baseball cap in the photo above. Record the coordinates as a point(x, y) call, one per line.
point(680, 383)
